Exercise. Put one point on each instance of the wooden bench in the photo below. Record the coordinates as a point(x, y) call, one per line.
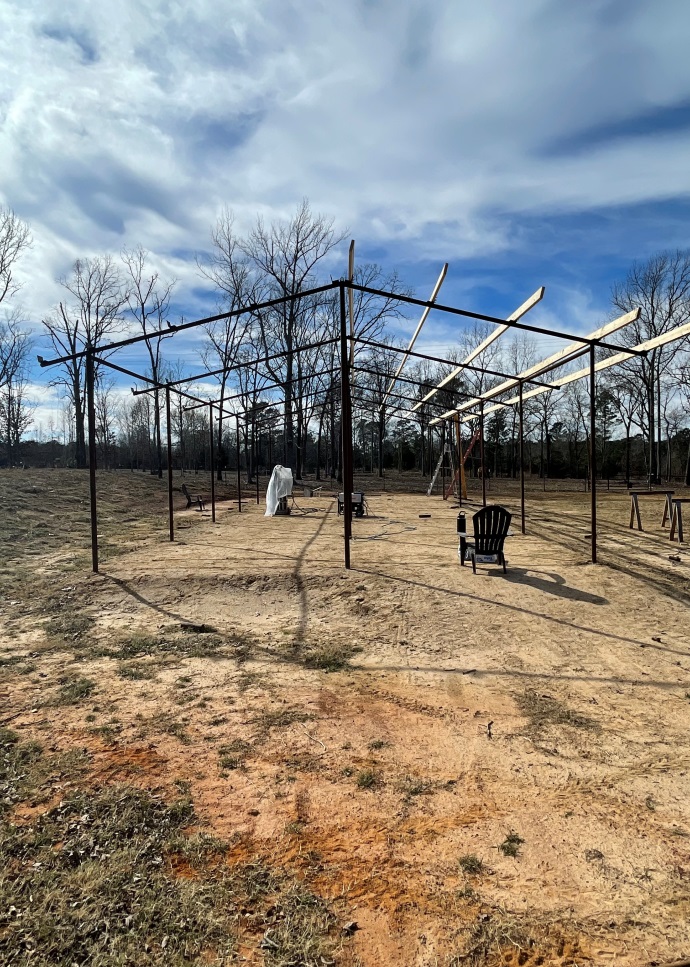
point(635, 506)
point(308, 490)
point(192, 498)
point(677, 518)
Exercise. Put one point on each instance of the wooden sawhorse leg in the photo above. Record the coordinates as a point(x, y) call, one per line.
point(668, 510)
point(635, 511)
point(677, 523)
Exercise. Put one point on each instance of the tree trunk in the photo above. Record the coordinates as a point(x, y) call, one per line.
point(79, 430)
point(157, 432)
point(219, 449)
point(380, 444)
point(652, 447)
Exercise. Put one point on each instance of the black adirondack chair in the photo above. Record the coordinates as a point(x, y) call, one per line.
point(490, 531)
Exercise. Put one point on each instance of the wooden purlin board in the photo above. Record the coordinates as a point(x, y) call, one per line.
point(562, 354)
point(680, 332)
point(427, 310)
point(572, 351)
point(513, 317)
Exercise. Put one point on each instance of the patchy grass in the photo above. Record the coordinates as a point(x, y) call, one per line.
point(368, 779)
point(511, 844)
point(414, 786)
point(280, 718)
point(17, 765)
point(469, 863)
point(233, 754)
point(299, 930)
point(329, 658)
point(498, 937)
point(377, 744)
point(108, 732)
point(112, 876)
point(72, 691)
point(134, 671)
point(69, 624)
point(543, 711)
point(27, 773)
point(17, 663)
point(173, 643)
point(166, 723)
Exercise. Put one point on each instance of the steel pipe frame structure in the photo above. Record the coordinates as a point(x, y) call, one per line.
point(93, 353)
point(465, 417)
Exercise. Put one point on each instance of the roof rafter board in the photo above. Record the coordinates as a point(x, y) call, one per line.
point(434, 294)
point(519, 312)
point(544, 388)
point(561, 355)
point(680, 332)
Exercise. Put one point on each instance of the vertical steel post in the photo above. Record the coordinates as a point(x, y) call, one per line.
point(443, 460)
point(345, 428)
point(593, 450)
point(91, 417)
point(239, 474)
point(522, 463)
point(430, 451)
point(220, 443)
point(213, 462)
point(481, 451)
point(257, 449)
point(168, 432)
point(458, 440)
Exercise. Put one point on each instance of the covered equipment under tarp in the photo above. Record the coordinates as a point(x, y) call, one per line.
point(280, 485)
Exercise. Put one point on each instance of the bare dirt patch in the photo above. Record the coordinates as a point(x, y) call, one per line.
point(365, 743)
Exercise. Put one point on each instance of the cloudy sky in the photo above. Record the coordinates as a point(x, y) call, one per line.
point(526, 143)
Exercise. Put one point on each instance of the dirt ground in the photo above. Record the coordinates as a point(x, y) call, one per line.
point(468, 769)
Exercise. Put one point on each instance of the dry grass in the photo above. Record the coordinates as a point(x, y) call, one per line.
point(544, 711)
point(119, 875)
point(111, 876)
point(499, 938)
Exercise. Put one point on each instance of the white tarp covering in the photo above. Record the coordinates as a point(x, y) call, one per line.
point(280, 485)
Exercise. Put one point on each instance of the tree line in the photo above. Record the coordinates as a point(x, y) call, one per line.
point(289, 402)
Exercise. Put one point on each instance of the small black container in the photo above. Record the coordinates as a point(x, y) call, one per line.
point(462, 524)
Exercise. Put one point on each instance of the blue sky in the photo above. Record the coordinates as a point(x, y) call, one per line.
point(539, 142)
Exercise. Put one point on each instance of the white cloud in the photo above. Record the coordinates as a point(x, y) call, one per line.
point(428, 129)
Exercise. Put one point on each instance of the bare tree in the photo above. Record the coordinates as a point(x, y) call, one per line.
point(148, 300)
point(16, 413)
point(684, 384)
point(629, 400)
point(661, 288)
point(13, 346)
point(106, 413)
point(283, 259)
point(15, 238)
point(518, 355)
point(382, 364)
point(91, 311)
point(231, 272)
